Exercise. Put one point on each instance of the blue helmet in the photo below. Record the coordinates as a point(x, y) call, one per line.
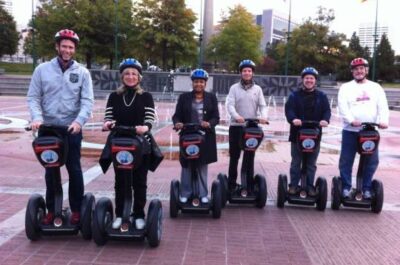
point(309, 71)
point(130, 62)
point(199, 74)
point(247, 63)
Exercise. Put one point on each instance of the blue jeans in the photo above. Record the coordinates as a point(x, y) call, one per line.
point(187, 181)
point(73, 164)
point(346, 161)
point(295, 165)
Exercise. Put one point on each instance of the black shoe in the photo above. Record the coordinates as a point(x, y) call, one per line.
point(292, 190)
point(311, 191)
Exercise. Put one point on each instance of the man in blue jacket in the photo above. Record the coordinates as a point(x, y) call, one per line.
point(308, 103)
point(61, 93)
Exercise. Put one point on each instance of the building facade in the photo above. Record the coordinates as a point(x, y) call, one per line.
point(366, 33)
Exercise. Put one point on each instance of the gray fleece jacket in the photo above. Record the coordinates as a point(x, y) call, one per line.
point(60, 98)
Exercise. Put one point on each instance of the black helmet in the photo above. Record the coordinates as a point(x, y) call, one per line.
point(247, 63)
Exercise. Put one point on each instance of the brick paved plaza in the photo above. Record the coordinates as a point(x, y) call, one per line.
point(243, 234)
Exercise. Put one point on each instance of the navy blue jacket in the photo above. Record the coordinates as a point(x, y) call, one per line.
point(294, 109)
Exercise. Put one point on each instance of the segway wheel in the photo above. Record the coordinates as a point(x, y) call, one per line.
point(173, 199)
point(261, 188)
point(322, 191)
point(282, 190)
point(216, 199)
point(154, 223)
point(223, 180)
point(378, 195)
point(336, 193)
point(35, 211)
point(88, 203)
point(102, 218)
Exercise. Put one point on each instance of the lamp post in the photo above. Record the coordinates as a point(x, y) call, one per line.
point(34, 61)
point(116, 35)
point(200, 61)
point(375, 40)
point(288, 40)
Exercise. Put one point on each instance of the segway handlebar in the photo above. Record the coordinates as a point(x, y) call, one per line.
point(195, 127)
point(123, 129)
point(254, 121)
point(369, 124)
point(48, 126)
point(310, 122)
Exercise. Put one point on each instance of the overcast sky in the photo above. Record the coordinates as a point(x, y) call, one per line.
point(349, 13)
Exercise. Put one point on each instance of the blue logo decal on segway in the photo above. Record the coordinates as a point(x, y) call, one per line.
point(124, 157)
point(192, 150)
point(368, 146)
point(308, 144)
point(251, 143)
point(49, 156)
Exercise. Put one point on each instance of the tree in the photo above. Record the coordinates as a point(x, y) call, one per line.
point(238, 39)
point(385, 60)
point(8, 33)
point(165, 32)
point(356, 50)
point(94, 21)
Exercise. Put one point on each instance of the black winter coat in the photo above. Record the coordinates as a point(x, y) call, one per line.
point(210, 114)
point(294, 109)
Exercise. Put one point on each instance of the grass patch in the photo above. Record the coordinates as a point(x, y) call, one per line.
point(391, 85)
point(17, 68)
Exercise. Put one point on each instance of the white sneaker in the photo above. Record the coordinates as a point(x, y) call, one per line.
point(346, 193)
point(367, 194)
point(204, 200)
point(117, 223)
point(139, 223)
point(183, 199)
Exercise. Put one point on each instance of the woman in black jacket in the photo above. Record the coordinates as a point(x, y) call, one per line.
point(198, 106)
point(130, 105)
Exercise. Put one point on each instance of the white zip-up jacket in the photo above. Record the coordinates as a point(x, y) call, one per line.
point(365, 102)
point(60, 98)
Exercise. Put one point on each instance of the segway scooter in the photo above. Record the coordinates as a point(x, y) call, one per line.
point(253, 189)
point(368, 141)
point(51, 149)
point(308, 140)
point(127, 153)
point(191, 140)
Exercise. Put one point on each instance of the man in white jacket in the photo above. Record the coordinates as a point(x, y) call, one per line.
point(359, 100)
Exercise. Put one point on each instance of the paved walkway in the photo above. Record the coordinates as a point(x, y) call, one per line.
point(243, 235)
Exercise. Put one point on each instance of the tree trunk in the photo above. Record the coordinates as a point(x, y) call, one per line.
point(88, 60)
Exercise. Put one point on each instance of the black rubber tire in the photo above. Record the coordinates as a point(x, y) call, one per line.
point(35, 211)
point(154, 223)
point(322, 192)
point(88, 204)
point(102, 218)
point(216, 199)
point(378, 196)
point(223, 180)
point(261, 187)
point(336, 191)
point(282, 191)
point(173, 199)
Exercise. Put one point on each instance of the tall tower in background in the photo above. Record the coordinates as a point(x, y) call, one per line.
point(8, 6)
point(207, 27)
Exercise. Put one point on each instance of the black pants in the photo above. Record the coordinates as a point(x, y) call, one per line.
point(139, 187)
point(235, 134)
point(73, 165)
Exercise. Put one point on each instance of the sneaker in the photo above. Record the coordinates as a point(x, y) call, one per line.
point(204, 200)
point(367, 194)
point(292, 190)
point(346, 193)
point(311, 192)
point(139, 223)
point(117, 223)
point(48, 219)
point(75, 218)
point(183, 199)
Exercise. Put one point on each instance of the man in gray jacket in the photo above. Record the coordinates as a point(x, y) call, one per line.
point(61, 93)
point(244, 101)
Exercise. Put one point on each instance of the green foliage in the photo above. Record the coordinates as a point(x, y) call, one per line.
point(17, 68)
point(385, 60)
point(94, 21)
point(238, 39)
point(8, 33)
point(165, 32)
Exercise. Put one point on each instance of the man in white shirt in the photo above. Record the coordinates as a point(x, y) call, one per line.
point(359, 100)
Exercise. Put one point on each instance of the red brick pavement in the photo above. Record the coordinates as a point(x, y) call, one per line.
point(243, 235)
